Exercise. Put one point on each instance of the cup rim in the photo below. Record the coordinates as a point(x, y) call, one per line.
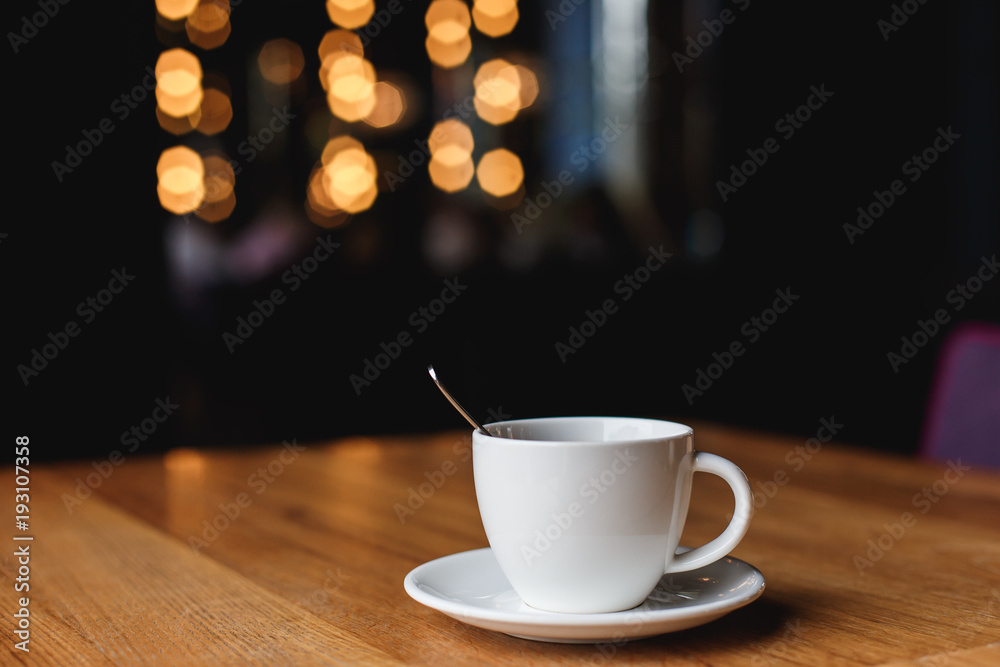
point(682, 430)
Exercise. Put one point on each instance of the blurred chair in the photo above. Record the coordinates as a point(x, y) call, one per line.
point(963, 413)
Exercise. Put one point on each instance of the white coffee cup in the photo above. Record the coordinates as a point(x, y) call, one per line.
point(584, 514)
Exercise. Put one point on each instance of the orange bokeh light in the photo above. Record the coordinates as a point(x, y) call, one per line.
point(178, 83)
point(529, 86)
point(351, 87)
point(498, 91)
point(349, 175)
point(178, 126)
point(451, 132)
point(495, 18)
point(350, 14)
point(209, 15)
point(389, 105)
point(334, 44)
point(451, 170)
point(177, 59)
point(338, 144)
point(175, 10)
point(220, 178)
point(448, 43)
point(448, 55)
point(208, 25)
point(500, 172)
point(180, 176)
point(216, 112)
point(217, 211)
point(281, 61)
point(447, 21)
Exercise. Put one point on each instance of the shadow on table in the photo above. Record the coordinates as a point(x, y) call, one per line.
point(757, 627)
point(762, 628)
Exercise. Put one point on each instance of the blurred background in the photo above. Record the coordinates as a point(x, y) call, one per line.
point(226, 226)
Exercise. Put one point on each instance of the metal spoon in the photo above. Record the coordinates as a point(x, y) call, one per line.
point(451, 399)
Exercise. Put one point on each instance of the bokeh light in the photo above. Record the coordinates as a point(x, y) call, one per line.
point(447, 21)
point(495, 18)
point(389, 105)
point(351, 87)
point(210, 15)
point(334, 44)
point(528, 87)
point(451, 55)
point(319, 205)
point(175, 10)
point(178, 126)
point(220, 178)
point(498, 91)
point(216, 112)
point(451, 132)
point(184, 462)
point(450, 143)
point(452, 170)
point(500, 172)
point(281, 61)
point(178, 83)
point(350, 14)
point(448, 42)
point(217, 211)
point(177, 59)
point(208, 25)
point(180, 174)
point(349, 175)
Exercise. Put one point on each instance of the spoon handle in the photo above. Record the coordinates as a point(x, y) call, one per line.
point(455, 404)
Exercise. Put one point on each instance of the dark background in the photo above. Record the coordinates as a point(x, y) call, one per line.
point(495, 346)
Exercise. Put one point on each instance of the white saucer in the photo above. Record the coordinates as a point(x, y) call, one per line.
point(470, 587)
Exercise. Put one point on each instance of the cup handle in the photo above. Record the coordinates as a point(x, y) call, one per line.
point(737, 528)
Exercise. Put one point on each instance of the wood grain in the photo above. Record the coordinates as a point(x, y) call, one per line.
point(306, 558)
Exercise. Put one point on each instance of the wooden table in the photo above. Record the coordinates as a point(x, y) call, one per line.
point(295, 554)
